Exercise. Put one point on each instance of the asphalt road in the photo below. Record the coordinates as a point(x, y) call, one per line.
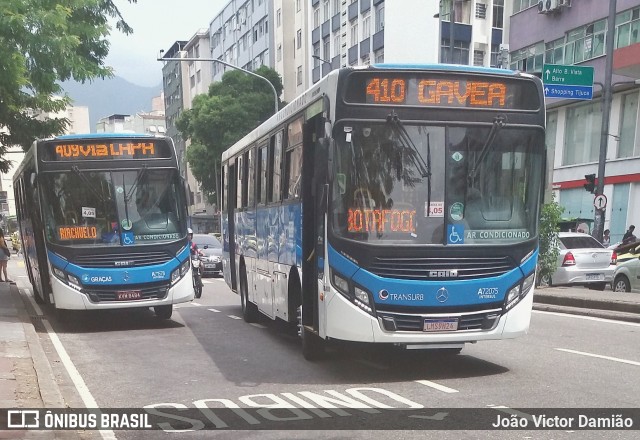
point(207, 356)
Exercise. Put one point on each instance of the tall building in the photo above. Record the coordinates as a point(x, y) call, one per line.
point(564, 32)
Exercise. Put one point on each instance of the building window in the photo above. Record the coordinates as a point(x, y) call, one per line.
point(582, 134)
point(585, 42)
point(279, 52)
point(279, 18)
point(380, 17)
point(498, 14)
point(299, 39)
point(521, 5)
point(299, 76)
point(326, 49)
point(378, 56)
point(354, 34)
point(297, 5)
point(460, 52)
point(366, 27)
point(325, 10)
point(628, 123)
point(554, 52)
point(316, 18)
point(528, 59)
point(336, 6)
point(628, 28)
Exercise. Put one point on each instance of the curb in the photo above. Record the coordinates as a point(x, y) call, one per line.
point(49, 390)
point(595, 313)
point(588, 303)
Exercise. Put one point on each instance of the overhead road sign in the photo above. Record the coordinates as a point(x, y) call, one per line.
point(568, 82)
point(568, 92)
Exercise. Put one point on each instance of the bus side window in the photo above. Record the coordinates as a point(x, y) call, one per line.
point(293, 176)
point(275, 167)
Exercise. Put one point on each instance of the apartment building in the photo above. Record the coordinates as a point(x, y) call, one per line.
point(574, 33)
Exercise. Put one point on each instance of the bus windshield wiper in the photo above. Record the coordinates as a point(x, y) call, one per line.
point(405, 140)
point(498, 123)
point(78, 172)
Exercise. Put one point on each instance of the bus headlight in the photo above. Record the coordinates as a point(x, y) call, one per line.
point(356, 294)
point(180, 271)
point(59, 273)
point(519, 291)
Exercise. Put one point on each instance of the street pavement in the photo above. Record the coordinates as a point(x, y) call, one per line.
point(27, 380)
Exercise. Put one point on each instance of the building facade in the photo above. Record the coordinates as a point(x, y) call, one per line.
point(574, 33)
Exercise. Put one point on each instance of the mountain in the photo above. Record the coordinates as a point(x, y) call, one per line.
point(105, 97)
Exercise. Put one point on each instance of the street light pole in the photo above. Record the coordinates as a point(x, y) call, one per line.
point(599, 217)
point(215, 60)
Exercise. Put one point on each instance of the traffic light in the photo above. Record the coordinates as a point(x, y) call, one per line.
point(590, 186)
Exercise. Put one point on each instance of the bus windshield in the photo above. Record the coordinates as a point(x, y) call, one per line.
point(402, 182)
point(112, 208)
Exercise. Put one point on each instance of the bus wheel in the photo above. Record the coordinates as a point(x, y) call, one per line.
point(163, 312)
point(249, 310)
point(313, 347)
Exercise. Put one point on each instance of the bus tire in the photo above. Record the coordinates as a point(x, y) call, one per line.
point(313, 346)
point(249, 310)
point(163, 312)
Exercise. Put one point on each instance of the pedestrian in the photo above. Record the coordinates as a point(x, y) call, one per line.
point(606, 239)
point(5, 253)
point(628, 236)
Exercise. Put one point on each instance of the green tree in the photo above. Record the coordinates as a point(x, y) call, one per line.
point(42, 43)
point(549, 250)
point(231, 109)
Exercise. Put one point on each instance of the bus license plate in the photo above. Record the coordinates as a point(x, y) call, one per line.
point(128, 294)
point(440, 325)
point(595, 277)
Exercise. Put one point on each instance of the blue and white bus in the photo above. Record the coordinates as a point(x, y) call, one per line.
point(103, 222)
point(391, 204)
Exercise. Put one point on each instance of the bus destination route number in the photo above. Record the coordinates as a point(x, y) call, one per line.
point(436, 92)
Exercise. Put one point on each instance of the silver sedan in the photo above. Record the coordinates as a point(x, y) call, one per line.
point(583, 261)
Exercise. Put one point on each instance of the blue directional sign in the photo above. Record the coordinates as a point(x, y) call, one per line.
point(568, 92)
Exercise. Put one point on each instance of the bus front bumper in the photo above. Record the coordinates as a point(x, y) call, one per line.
point(65, 297)
point(344, 321)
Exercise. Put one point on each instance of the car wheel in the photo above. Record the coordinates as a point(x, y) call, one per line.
point(598, 286)
point(621, 284)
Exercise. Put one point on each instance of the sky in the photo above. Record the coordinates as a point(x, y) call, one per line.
point(156, 24)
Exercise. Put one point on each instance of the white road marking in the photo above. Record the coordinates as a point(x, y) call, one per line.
point(76, 378)
point(609, 358)
point(589, 318)
point(214, 310)
point(195, 304)
point(437, 386)
point(234, 317)
point(255, 324)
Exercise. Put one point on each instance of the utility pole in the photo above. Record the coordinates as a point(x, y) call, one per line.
point(599, 217)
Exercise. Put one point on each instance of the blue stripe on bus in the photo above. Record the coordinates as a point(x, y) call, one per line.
point(116, 275)
point(423, 293)
point(446, 68)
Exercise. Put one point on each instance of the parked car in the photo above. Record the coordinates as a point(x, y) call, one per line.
point(625, 277)
point(583, 261)
point(210, 253)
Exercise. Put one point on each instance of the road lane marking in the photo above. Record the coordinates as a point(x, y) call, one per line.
point(609, 358)
point(589, 318)
point(72, 371)
point(234, 317)
point(214, 310)
point(437, 386)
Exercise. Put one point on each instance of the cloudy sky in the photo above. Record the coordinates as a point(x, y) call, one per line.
point(156, 24)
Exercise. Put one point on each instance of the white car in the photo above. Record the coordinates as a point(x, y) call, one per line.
point(583, 261)
point(625, 277)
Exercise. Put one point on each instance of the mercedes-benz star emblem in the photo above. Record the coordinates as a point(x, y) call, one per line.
point(442, 295)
